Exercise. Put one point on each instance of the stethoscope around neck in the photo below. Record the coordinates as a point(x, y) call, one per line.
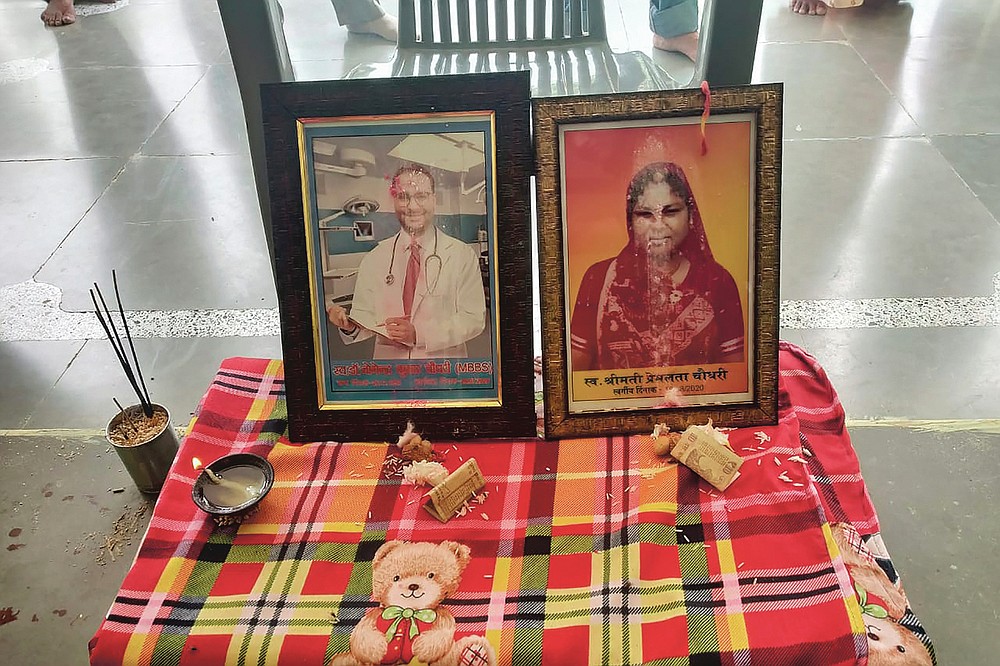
point(431, 286)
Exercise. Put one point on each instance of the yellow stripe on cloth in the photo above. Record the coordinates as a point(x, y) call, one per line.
point(732, 628)
point(286, 576)
point(173, 579)
point(851, 601)
point(565, 607)
point(341, 527)
point(221, 615)
point(175, 575)
point(661, 599)
point(659, 507)
point(244, 649)
point(261, 408)
point(140, 648)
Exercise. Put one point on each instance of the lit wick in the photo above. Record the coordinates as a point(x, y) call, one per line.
point(212, 476)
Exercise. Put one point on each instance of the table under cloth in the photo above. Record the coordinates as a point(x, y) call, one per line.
point(583, 551)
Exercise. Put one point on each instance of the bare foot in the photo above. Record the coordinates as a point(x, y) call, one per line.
point(384, 26)
point(684, 44)
point(811, 7)
point(59, 12)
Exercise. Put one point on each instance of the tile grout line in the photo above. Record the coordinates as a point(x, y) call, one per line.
point(888, 90)
point(31, 412)
point(129, 160)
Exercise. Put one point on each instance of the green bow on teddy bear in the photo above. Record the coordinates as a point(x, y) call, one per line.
point(397, 614)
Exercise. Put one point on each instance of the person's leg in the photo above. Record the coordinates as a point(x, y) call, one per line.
point(366, 17)
point(675, 26)
point(59, 12)
point(62, 12)
point(811, 7)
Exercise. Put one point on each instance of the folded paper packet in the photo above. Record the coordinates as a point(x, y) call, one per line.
point(450, 494)
point(700, 449)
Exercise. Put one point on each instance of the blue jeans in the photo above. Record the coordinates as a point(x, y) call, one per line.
point(671, 18)
point(353, 12)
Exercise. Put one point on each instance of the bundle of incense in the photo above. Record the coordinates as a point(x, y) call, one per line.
point(134, 376)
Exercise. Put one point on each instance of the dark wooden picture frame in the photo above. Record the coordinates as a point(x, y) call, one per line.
point(627, 345)
point(394, 136)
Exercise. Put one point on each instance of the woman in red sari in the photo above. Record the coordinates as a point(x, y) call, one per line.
point(663, 301)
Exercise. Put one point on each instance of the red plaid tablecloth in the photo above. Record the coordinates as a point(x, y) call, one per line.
point(583, 551)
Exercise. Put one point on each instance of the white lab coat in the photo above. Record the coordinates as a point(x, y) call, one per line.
point(449, 304)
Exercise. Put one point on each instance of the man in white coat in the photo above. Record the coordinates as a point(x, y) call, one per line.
point(420, 291)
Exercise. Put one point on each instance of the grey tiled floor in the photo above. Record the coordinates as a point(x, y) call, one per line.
point(126, 149)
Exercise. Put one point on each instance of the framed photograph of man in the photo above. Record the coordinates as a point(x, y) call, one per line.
point(400, 226)
point(658, 229)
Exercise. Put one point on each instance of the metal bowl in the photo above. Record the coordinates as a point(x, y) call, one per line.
point(219, 466)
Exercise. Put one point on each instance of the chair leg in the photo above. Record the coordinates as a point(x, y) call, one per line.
point(732, 41)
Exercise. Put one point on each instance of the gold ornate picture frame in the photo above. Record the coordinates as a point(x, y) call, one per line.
point(658, 248)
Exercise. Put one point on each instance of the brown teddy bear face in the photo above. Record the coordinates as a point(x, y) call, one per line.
point(889, 643)
point(417, 575)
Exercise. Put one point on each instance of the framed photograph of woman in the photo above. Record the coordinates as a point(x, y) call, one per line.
point(658, 227)
point(389, 214)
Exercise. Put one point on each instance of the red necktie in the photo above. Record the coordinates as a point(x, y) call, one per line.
point(412, 274)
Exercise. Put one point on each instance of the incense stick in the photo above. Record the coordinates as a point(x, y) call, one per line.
point(128, 336)
point(126, 420)
point(116, 343)
point(121, 359)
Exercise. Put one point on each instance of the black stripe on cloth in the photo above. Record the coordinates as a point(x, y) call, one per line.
point(787, 522)
point(833, 425)
point(366, 549)
point(214, 552)
point(209, 419)
point(791, 578)
point(694, 533)
point(132, 601)
point(122, 619)
point(276, 391)
point(234, 621)
point(819, 476)
point(256, 379)
point(790, 596)
point(538, 545)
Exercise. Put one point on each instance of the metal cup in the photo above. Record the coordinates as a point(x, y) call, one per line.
point(147, 462)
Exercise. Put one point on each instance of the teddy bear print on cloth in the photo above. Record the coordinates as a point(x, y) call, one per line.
point(883, 605)
point(409, 581)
